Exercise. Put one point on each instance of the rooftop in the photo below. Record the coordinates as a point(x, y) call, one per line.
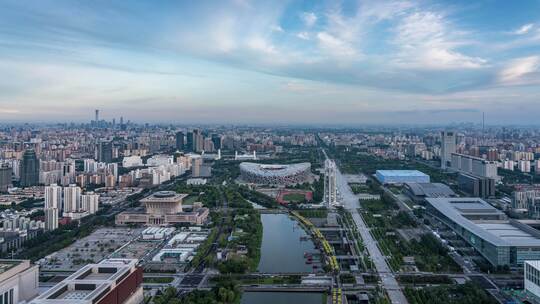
point(90, 283)
point(401, 173)
point(274, 169)
point(430, 189)
point(164, 196)
point(495, 228)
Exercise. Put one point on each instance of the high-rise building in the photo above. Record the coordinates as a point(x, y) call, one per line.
point(198, 141)
point(53, 196)
point(196, 164)
point(112, 169)
point(90, 202)
point(53, 200)
point(448, 146)
point(474, 165)
point(29, 170)
point(110, 181)
point(72, 198)
point(216, 139)
point(105, 151)
point(190, 138)
point(180, 141)
point(199, 147)
point(51, 218)
point(492, 154)
point(5, 177)
point(208, 145)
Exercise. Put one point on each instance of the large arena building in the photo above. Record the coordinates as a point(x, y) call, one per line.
point(275, 174)
point(499, 239)
point(401, 176)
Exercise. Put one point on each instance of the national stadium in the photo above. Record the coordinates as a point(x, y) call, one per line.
point(264, 174)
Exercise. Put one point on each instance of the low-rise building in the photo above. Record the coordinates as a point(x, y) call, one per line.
point(164, 208)
point(531, 278)
point(116, 281)
point(401, 176)
point(420, 191)
point(500, 240)
point(19, 281)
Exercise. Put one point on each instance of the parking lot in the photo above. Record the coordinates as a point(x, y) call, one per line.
point(90, 249)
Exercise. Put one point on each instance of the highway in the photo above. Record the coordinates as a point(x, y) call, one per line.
point(350, 203)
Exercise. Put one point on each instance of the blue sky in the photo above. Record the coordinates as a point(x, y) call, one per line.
point(243, 61)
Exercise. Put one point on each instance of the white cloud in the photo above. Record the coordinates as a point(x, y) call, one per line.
point(277, 28)
point(9, 111)
point(295, 86)
point(309, 18)
point(335, 46)
point(262, 45)
point(223, 35)
point(524, 29)
point(427, 41)
point(303, 35)
point(521, 71)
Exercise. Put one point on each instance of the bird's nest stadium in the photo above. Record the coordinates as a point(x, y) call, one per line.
point(264, 174)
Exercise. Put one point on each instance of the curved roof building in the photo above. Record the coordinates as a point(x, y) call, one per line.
point(275, 174)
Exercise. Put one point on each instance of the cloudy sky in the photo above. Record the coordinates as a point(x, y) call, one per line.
point(244, 61)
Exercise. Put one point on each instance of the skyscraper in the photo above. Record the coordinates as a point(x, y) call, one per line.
point(190, 139)
point(180, 141)
point(29, 169)
point(198, 141)
point(448, 146)
point(105, 151)
point(5, 177)
point(216, 139)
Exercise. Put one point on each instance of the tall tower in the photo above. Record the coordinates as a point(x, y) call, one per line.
point(330, 185)
point(97, 115)
point(180, 141)
point(5, 177)
point(29, 170)
point(105, 151)
point(448, 146)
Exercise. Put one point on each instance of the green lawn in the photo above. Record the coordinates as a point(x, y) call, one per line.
point(158, 280)
point(190, 200)
point(294, 197)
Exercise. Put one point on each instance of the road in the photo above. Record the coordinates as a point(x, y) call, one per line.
point(350, 202)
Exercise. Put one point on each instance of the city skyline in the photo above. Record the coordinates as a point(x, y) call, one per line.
point(316, 62)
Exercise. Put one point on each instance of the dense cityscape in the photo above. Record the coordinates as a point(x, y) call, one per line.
point(204, 214)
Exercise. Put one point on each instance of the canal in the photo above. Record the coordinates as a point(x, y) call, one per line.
point(284, 245)
point(281, 298)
